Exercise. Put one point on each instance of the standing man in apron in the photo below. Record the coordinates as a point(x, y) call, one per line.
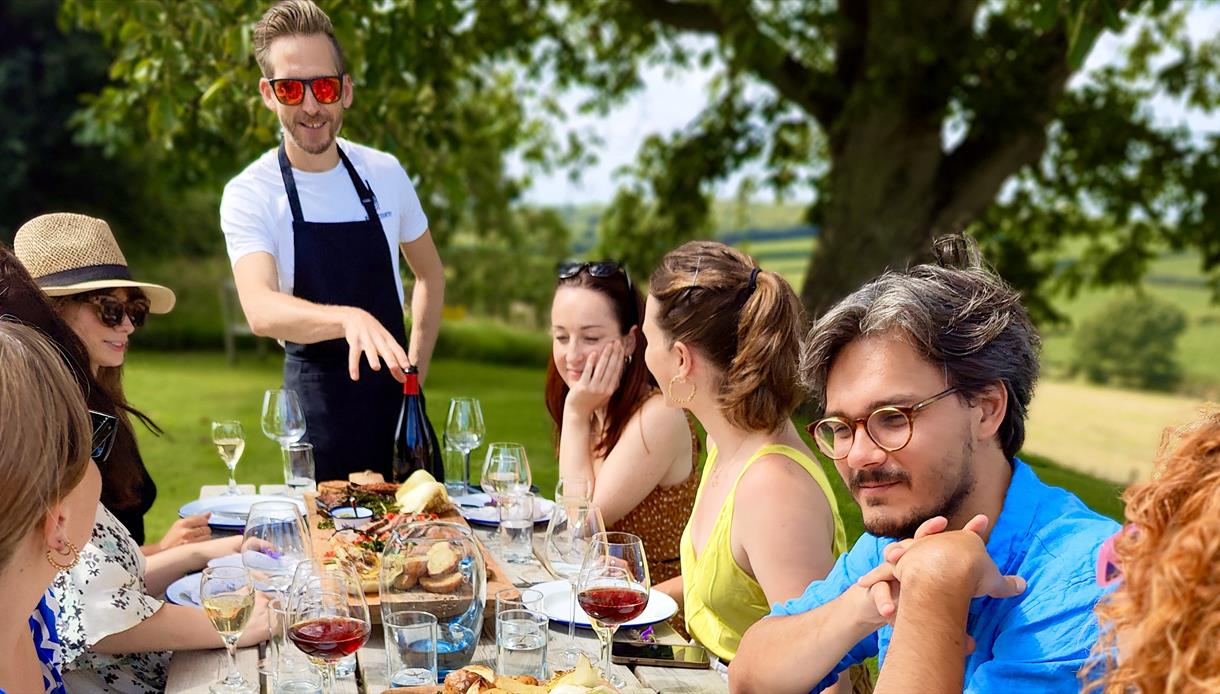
point(313, 230)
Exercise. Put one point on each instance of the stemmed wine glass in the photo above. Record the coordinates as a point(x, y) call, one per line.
point(230, 441)
point(613, 587)
point(506, 470)
point(464, 431)
point(276, 539)
point(574, 522)
point(330, 619)
point(228, 599)
point(283, 421)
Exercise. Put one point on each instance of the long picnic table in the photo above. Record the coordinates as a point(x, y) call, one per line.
point(194, 671)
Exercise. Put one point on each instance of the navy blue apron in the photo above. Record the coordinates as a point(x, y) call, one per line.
point(350, 423)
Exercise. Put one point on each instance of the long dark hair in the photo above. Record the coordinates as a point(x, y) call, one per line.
point(23, 300)
point(636, 384)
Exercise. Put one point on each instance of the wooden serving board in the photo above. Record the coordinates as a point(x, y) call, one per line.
point(497, 577)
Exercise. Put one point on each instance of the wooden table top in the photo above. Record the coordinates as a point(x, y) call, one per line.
point(195, 671)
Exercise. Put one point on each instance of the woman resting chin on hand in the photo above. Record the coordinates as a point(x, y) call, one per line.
point(616, 436)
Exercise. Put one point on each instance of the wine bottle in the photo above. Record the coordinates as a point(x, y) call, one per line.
point(415, 442)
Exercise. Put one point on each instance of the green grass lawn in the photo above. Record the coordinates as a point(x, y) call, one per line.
point(185, 392)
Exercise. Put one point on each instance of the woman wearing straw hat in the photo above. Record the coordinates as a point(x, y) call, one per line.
point(78, 264)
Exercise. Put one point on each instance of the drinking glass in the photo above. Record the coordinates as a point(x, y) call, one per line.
point(517, 527)
point(276, 539)
point(569, 532)
point(228, 598)
point(521, 643)
point(464, 431)
point(330, 620)
point(410, 645)
point(518, 599)
point(613, 587)
point(506, 470)
point(574, 487)
point(230, 441)
point(457, 464)
point(299, 468)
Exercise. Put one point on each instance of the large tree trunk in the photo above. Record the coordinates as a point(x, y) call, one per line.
point(893, 185)
point(879, 207)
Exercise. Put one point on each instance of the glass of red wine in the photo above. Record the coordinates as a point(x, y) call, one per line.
point(613, 588)
point(330, 620)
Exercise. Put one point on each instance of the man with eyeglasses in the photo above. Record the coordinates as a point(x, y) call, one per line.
point(972, 573)
point(313, 230)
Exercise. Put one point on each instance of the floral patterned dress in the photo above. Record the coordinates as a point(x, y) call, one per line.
point(105, 594)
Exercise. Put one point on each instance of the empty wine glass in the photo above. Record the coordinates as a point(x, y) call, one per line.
point(613, 588)
point(230, 441)
point(228, 599)
point(276, 539)
point(464, 430)
point(283, 421)
point(330, 620)
point(506, 470)
point(573, 524)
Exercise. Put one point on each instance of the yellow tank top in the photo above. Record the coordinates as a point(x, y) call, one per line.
point(721, 599)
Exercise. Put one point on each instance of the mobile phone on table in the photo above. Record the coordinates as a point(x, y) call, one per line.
point(662, 655)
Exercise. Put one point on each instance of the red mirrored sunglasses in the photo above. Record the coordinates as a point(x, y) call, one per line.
point(291, 91)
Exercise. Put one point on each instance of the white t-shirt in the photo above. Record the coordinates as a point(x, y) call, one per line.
point(255, 215)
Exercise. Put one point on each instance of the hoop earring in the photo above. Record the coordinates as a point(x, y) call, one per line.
point(72, 551)
point(627, 360)
point(681, 401)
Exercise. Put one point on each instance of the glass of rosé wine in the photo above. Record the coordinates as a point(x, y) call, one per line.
point(330, 620)
point(613, 588)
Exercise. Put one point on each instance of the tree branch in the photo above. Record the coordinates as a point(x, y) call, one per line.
point(972, 174)
point(814, 91)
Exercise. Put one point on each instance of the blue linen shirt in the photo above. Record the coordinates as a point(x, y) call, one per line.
point(1035, 642)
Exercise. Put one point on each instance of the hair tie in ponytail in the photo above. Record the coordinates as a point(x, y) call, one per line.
point(753, 281)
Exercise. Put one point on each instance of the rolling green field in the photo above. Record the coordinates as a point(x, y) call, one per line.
point(184, 392)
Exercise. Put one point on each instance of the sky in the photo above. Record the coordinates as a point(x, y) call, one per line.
point(671, 98)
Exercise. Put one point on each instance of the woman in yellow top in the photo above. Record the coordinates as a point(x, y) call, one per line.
point(723, 340)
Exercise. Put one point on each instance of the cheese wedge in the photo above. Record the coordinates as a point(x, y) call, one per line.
point(423, 497)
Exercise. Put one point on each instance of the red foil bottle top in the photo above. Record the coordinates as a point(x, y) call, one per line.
point(411, 385)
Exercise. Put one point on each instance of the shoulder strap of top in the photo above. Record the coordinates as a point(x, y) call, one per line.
point(787, 451)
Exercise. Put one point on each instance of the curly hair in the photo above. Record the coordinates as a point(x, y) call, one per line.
point(1160, 627)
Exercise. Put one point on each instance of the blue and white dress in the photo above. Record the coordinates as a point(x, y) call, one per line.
point(46, 645)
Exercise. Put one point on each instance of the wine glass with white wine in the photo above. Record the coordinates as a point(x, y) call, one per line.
point(506, 470)
point(230, 441)
point(228, 599)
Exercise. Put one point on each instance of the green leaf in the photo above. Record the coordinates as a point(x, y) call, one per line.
point(211, 91)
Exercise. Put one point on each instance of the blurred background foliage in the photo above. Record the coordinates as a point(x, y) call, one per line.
point(898, 120)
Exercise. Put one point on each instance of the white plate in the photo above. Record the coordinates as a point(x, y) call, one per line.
point(556, 603)
point(479, 509)
point(229, 512)
point(185, 591)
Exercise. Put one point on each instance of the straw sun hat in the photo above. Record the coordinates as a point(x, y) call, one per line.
point(71, 253)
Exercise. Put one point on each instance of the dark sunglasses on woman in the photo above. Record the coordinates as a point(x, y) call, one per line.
point(291, 91)
point(105, 427)
point(597, 268)
point(111, 309)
